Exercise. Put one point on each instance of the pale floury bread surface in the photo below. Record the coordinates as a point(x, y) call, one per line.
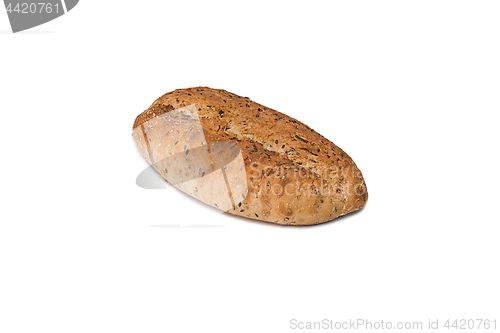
point(247, 159)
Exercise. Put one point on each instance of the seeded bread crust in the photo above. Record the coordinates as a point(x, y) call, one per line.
point(288, 165)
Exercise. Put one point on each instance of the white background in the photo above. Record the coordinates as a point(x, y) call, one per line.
point(410, 90)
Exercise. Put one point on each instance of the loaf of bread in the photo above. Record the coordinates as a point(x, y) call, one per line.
point(247, 159)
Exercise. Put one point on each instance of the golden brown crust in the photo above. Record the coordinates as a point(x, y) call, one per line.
point(294, 175)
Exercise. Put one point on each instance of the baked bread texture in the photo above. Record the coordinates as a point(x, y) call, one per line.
point(247, 159)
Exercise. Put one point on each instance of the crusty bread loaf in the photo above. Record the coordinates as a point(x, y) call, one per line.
point(247, 159)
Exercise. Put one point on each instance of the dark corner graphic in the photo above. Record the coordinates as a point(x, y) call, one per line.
point(26, 14)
